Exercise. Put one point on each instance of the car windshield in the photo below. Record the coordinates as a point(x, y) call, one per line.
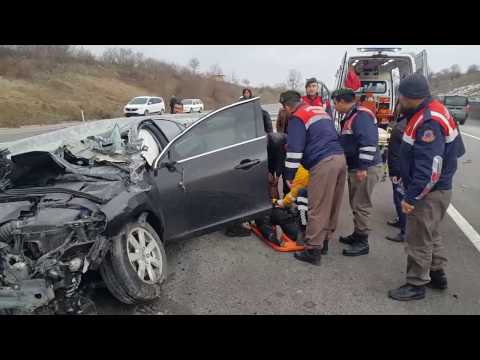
point(456, 100)
point(138, 101)
point(187, 102)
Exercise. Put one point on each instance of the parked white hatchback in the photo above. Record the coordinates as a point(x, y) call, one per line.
point(192, 105)
point(144, 105)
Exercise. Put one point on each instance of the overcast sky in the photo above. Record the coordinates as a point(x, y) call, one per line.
point(269, 64)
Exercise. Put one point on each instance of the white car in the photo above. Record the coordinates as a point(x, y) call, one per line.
point(144, 105)
point(192, 105)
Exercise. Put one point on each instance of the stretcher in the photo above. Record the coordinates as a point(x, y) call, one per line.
point(286, 244)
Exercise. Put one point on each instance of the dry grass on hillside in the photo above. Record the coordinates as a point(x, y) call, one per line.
point(48, 84)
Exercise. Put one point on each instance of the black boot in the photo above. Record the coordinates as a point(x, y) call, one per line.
point(438, 280)
point(350, 239)
point(312, 256)
point(324, 250)
point(359, 247)
point(237, 230)
point(407, 292)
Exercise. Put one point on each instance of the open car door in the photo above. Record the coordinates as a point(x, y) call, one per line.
point(340, 76)
point(421, 63)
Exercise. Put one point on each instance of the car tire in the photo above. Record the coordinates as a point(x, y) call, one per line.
point(121, 268)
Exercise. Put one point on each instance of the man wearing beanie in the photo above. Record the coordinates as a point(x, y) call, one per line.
point(313, 143)
point(428, 161)
point(359, 138)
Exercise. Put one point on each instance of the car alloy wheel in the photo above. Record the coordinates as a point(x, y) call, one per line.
point(144, 255)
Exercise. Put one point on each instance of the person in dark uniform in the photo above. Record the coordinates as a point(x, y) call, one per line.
point(393, 157)
point(359, 138)
point(428, 161)
point(173, 102)
point(313, 143)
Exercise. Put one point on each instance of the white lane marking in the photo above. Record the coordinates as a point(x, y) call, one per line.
point(469, 135)
point(465, 226)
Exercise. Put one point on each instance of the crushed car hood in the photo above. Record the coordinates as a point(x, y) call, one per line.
point(96, 167)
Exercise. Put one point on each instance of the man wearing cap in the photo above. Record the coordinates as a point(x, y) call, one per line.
point(312, 98)
point(359, 138)
point(313, 143)
point(428, 161)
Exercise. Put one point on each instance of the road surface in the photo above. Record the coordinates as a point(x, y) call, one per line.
point(215, 274)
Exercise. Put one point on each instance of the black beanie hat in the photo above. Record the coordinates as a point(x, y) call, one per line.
point(414, 86)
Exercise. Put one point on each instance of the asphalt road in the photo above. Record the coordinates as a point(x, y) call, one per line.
point(215, 274)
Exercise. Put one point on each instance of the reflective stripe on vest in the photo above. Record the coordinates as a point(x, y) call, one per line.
point(311, 114)
point(347, 126)
point(438, 113)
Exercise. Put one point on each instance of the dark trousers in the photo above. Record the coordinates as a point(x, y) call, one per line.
point(397, 200)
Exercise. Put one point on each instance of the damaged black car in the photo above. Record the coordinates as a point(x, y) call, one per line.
point(108, 197)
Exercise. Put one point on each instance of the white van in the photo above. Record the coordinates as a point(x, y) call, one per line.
point(380, 71)
point(144, 105)
point(192, 105)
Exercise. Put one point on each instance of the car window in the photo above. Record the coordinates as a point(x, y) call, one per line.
point(138, 101)
point(169, 128)
point(152, 148)
point(378, 87)
point(186, 102)
point(228, 127)
point(456, 101)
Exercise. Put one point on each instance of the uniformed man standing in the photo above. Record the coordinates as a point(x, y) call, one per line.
point(359, 138)
point(428, 156)
point(313, 143)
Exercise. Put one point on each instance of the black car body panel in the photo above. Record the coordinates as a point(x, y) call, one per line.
point(62, 206)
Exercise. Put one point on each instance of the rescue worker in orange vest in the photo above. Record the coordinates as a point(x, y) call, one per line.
point(359, 138)
point(313, 99)
point(428, 161)
point(313, 143)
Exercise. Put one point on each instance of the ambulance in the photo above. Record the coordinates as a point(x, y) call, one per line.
point(380, 70)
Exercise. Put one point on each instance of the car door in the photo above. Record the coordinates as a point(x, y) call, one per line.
point(340, 77)
point(421, 63)
point(223, 161)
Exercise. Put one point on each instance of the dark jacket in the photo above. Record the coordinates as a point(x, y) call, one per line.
point(311, 138)
point(359, 139)
point(394, 146)
point(282, 120)
point(429, 152)
point(267, 122)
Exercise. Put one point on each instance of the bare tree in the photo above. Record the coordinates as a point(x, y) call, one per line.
point(215, 69)
point(455, 71)
point(234, 78)
point(293, 79)
point(194, 63)
point(473, 68)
